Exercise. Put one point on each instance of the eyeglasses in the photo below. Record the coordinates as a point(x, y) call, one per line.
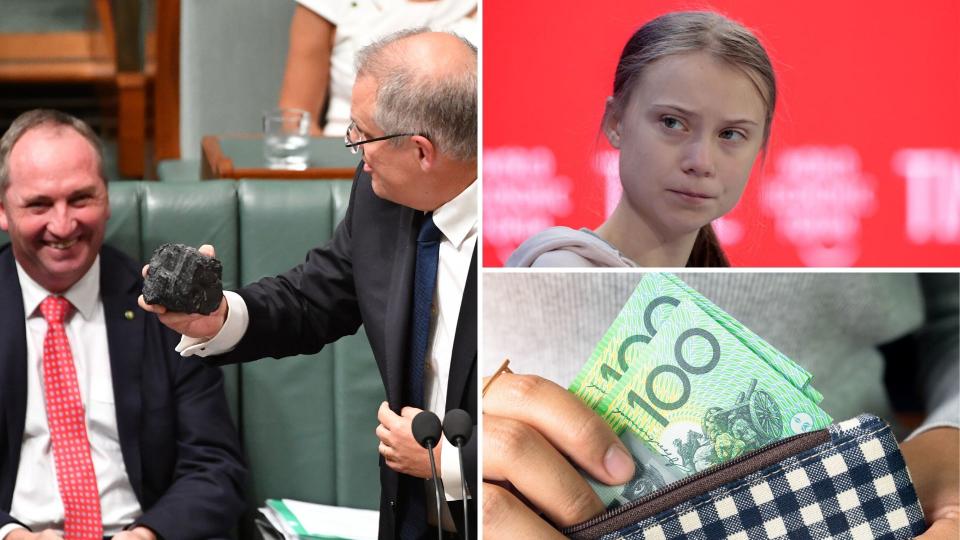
point(353, 141)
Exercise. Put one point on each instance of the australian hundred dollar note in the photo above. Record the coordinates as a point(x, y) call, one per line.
point(685, 393)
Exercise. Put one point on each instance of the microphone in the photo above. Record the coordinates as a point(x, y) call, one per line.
point(458, 427)
point(426, 431)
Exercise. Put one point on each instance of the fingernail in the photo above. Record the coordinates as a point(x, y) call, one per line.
point(618, 462)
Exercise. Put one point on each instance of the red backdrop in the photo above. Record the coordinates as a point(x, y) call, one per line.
point(864, 161)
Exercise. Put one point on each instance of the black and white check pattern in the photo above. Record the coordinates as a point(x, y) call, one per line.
point(855, 486)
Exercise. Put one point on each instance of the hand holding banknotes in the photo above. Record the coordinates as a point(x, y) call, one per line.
point(190, 324)
point(531, 427)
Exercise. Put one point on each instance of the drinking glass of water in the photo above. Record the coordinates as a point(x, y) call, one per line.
point(285, 138)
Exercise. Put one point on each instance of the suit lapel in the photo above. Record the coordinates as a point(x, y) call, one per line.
point(400, 298)
point(13, 373)
point(119, 290)
point(465, 341)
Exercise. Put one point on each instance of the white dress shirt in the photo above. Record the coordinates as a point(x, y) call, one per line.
point(36, 497)
point(457, 220)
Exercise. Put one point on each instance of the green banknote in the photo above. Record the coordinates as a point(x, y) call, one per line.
point(691, 371)
point(798, 376)
point(650, 305)
point(687, 387)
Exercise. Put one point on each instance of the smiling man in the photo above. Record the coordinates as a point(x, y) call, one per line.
point(106, 432)
point(402, 263)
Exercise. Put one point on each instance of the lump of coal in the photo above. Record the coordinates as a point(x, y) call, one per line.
point(182, 279)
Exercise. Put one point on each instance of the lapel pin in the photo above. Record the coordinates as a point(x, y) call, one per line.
point(128, 315)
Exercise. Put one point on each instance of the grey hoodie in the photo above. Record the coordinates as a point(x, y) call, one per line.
point(563, 247)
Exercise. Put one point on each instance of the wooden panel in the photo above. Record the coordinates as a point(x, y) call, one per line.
point(76, 56)
point(105, 16)
point(166, 106)
point(90, 57)
point(213, 163)
point(129, 44)
point(131, 84)
point(150, 54)
point(64, 46)
point(72, 72)
point(131, 128)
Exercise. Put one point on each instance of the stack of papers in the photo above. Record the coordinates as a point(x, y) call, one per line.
point(295, 519)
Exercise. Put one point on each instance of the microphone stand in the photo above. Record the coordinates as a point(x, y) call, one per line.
point(458, 428)
point(426, 430)
point(463, 491)
point(436, 485)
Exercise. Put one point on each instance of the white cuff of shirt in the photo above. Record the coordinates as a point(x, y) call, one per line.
point(450, 471)
point(9, 528)
point(238, 318)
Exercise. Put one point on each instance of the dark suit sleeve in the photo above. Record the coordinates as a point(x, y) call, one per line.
point(205, 496)
point(303, 309)
point(6, 519)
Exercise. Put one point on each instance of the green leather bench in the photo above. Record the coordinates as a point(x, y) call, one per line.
point(307, 423)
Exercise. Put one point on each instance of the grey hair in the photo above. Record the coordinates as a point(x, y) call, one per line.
point(50, 118)
point(443, 109)
point(691, 31)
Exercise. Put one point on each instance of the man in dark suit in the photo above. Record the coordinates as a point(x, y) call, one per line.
point(104, 431)
point(402, 263)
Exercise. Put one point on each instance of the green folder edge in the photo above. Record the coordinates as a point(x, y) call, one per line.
point(294, 523)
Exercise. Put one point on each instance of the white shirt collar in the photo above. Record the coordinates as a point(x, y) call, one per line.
point(457, 218)
point(83, 295)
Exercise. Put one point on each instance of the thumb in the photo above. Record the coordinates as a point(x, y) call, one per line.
point(207, 250)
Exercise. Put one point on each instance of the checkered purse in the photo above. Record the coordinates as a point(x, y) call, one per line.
point(846, 481)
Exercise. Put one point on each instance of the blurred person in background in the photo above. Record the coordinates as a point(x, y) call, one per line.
point(325, 36)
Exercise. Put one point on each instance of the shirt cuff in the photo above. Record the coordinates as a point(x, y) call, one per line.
point(450, 471)
point(238, 318)
point(9, 528)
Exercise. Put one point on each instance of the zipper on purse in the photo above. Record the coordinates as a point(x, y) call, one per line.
point(683, 489)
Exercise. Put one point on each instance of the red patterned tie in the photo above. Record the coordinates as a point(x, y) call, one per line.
point(68, 430)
